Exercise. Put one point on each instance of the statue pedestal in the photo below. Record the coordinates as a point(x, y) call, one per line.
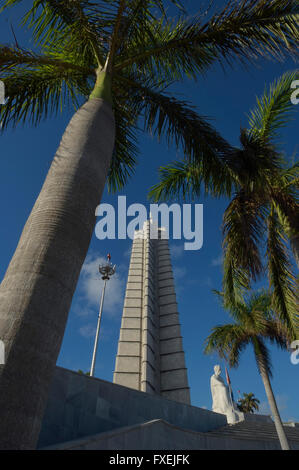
point(234, 416)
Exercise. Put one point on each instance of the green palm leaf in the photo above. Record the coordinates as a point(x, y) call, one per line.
point(12, 57)
point(32, 96)
point(243, 231)
point(124, 158)
point(255, 323)
point(228, 341)
point(184, 179)
point(274, 109)
point(75, 25)
point(241, 31)
point(281, 277)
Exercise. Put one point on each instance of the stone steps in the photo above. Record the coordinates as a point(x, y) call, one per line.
point(254, 430)
point(159, 435)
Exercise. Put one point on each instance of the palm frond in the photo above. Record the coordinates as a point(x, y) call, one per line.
point(281, 278)
point(12, 57)
point(185, 179)
point(124, 158)
point(285, 200)
point(180, 124)
point(75, 25)
point(255, 323)
point(228, 341)
point(179, 178)
point(241, 31)
point(290, 176)
point(257, 162)
point(248, 29)
point(33, 95)
point(278, 333)
point(167, 49)
point(260, 302)
point(243, 231)
point(137, 17)
point(235, 282)
point(8, 3)
point(274, 109)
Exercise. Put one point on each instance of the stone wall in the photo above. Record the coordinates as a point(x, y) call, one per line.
point(81, 406)
point(159, 435)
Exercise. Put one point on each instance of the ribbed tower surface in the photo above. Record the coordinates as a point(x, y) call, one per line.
point(150, 355)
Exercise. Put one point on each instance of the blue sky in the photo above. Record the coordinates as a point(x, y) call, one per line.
point(26, 154)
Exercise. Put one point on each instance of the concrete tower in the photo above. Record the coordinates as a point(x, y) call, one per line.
point(150, 354)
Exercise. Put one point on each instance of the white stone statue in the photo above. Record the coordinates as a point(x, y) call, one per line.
point(222, 402)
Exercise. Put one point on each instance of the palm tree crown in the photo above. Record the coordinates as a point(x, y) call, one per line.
point(135, 57)
point(248, 403)
point(264, 203)
point(254, 324)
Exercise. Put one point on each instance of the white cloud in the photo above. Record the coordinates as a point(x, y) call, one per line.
point(83, 312)
point(87, 331)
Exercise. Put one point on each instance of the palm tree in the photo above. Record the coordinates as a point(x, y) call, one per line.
point(254, 323)
point(249, 403)
point(265, 205)
point(264, 194)
point(82, 373)
point(119, 57)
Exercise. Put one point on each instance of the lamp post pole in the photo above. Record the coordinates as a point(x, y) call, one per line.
point(107, 270)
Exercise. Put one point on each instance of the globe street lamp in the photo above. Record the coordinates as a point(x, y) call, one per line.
point(107, 270)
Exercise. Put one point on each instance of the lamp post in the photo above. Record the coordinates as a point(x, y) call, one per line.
point(107, 270)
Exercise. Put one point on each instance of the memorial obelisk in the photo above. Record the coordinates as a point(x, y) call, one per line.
point(150, 355)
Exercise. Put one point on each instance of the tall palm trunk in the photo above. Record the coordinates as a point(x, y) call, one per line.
point(273, 406)
point(37, 290)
